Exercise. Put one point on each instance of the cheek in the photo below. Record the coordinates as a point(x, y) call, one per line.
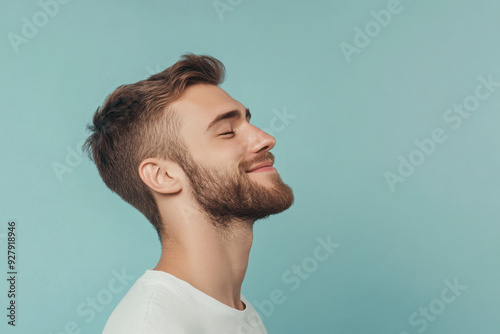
point(227, 155)
point(232, 149)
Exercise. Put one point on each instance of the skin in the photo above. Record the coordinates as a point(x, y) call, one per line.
point(209, 202)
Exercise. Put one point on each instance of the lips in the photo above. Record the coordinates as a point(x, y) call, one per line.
point(264, 164)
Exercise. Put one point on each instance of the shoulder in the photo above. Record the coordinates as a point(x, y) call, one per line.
point(150, 306)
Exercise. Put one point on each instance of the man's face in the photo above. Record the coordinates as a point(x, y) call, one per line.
point(221, 154)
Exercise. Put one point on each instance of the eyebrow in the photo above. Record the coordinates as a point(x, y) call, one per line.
point(228, 115)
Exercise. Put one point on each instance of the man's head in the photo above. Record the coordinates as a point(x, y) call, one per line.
point(154, 140)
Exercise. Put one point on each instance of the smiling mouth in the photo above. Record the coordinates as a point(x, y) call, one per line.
point(266, 164)
point(263, 169)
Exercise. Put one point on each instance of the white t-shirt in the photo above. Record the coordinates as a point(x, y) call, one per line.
point(160, 303)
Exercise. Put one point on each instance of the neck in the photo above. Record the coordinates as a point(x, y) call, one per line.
point(212, 260)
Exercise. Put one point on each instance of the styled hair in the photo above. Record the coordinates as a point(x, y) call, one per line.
point(135, 123)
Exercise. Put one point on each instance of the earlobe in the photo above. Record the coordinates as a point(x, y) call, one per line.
point(153, 172)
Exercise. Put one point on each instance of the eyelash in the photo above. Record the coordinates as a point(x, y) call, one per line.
point(231, 132)
point(227, 133)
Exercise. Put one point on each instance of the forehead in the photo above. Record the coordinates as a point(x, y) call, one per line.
point(205, 101)
point(200, 103)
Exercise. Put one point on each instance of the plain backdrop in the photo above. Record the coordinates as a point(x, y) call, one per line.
point(390, 143)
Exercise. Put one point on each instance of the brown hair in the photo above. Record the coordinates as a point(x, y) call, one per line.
point(135, 123)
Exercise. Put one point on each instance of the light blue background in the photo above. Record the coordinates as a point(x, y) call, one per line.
point(352, 121)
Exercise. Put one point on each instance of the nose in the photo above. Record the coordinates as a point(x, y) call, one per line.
point(262, 141)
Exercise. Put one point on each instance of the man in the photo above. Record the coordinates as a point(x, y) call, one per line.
point(184, 153)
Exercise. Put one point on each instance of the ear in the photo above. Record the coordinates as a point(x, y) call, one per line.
point(155, 174)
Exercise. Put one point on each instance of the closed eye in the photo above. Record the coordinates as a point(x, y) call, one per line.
point(227, 133)
point(232, 132)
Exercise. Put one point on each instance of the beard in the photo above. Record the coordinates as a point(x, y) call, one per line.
point(227, 197)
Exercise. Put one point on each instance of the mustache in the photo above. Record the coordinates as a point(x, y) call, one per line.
point(267, 156)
